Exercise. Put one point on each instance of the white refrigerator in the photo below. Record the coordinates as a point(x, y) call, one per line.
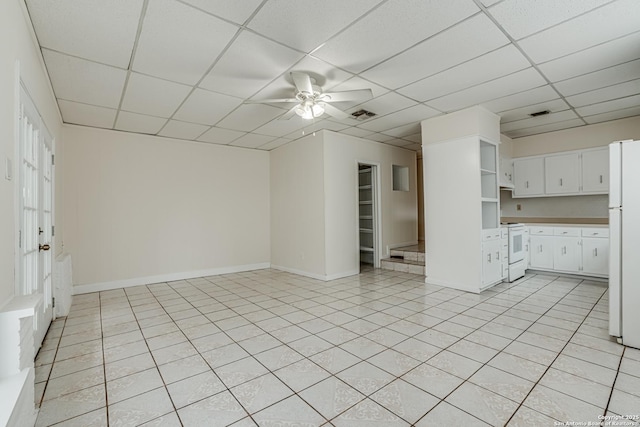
point(624, 242)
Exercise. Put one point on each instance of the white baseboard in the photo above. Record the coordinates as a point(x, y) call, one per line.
point(323, 277)
point(137, 281)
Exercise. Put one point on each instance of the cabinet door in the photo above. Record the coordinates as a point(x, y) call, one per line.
point(528, 177)
point(595, 171)
point(595, 256)
point(567, 255)
point(541, 252)
point(491, 261)
point(562, 174)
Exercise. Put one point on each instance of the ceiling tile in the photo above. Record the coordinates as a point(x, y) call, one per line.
point(139, 123)
point(356, 83)
point(86, 115)
point(595, 58)
point(605, 94)
point(498, 63)
point(151, 96)
point(400, 118)
point(521, 18)
point(85, 28)
point(613, 115)
point(487, 3)
point(385, 104)
point(598, 79)
point(278, 127)
point(393, 27)
point(247, 117)
point(539, 121)
point(524, 112)
point(436, 54)
point(545, 128)
point(605, 107)
point(252, 140)
point(182, 130)
point(220, 136)
point(404, 131)
point(416, 137)
point(513, 83)
point(380, 137)
point(275, 144)
point(84, 81)
point(354, 131)
point(317, 126)
point(326, 76)
point(305, 24)
point(579, 33)
point(399, 142)
point(248, 65)
point(414, 147)
point(522, 99)
point(206, 107)
point(233, 10)
point(180, 43)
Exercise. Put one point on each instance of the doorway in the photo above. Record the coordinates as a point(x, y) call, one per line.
point(368, 238)
point(35, 211)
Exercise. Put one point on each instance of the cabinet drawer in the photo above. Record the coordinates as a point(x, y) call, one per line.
point(491, 234)
point(566, 231)
point(595, 232)
point(540, 231)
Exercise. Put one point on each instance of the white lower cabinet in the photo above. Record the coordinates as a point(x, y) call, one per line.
point(574, 250)
point(595, 251)
point(541, 252)
point(492, 261)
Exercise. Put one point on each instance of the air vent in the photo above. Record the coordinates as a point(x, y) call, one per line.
point(362, 115)
point(540, 113)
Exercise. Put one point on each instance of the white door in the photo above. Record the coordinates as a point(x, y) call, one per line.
point(595, 171)
point(541, 252)
point(528, 177)
point(562, 174)
point(36, 207)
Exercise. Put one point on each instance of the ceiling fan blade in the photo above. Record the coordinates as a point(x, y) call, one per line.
point(334, 112)
point(271, 101)
point(348, 95)
point(288, 114)
point(302, 82)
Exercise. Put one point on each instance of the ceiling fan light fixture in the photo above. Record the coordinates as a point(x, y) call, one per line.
point(309, 110)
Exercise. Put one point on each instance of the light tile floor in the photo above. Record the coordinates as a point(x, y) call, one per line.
point(379, 349)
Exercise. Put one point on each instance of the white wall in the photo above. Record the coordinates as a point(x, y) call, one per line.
point(143, 208)
point(590, 136)
point(18, 45)
point(314, 203)
point(399, 209)
point(297, 207)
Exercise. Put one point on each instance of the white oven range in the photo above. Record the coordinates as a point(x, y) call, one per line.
point(517, 251)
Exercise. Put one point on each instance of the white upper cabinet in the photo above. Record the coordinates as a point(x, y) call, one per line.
point(528, 174)
point(562, 174)
point(595, 171)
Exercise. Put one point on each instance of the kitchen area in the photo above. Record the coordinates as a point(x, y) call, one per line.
point(555, 214)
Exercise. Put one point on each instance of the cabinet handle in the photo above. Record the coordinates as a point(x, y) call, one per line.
point(560, 182)
point(540, 250)
point(498, 256)
point(489, 257)
point(595, 252)
point(564, 232)
point(600, 179)
point(527, 184)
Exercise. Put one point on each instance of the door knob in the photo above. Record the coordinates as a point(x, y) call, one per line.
point(44, 247)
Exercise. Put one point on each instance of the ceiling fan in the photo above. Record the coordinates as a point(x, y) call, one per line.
point(311, 102)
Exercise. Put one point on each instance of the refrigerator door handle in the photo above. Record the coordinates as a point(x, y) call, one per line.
point(615, 272)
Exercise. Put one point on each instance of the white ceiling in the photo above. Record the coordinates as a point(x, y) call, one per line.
point(184, 68)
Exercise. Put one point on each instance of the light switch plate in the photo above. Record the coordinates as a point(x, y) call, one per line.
point(8, 169)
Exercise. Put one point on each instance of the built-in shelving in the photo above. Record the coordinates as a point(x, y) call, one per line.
point(366, 213)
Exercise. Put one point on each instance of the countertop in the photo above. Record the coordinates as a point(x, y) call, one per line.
point(581, 222)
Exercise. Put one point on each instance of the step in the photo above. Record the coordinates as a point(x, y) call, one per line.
point(408, 255)
point(403, 265)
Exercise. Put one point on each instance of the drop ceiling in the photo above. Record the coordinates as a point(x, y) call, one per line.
point(185, 69)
